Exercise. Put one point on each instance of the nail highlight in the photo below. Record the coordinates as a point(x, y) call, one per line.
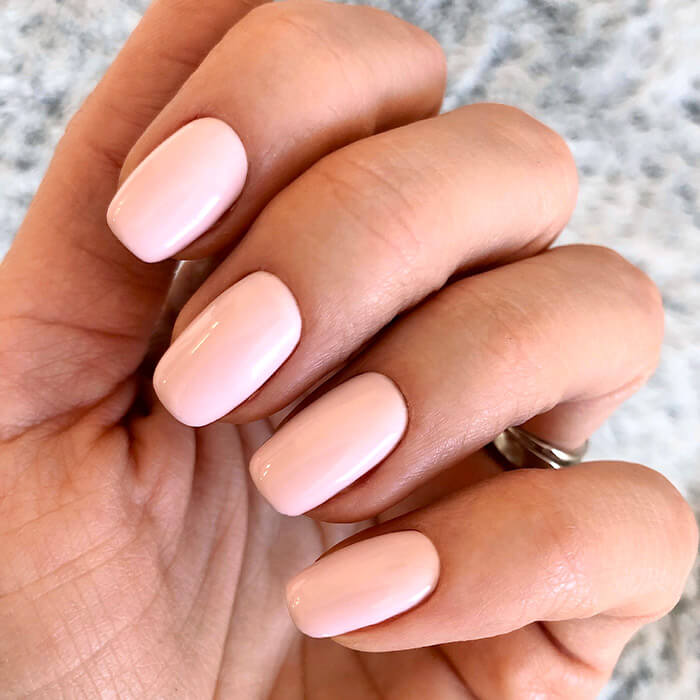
point(179, 190)
point(363, 584)
point(229, 351)
point(330, 444)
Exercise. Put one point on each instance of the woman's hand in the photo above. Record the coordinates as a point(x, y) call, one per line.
point(402, 250)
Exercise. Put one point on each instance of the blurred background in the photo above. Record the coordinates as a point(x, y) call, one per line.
point(619, 79)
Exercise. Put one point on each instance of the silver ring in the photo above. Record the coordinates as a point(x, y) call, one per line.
point(522, 449)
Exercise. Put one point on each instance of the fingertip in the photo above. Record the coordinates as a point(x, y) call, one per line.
point(180, 190)
point(364, 583)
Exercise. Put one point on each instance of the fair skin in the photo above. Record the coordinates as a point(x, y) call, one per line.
point(138, 559)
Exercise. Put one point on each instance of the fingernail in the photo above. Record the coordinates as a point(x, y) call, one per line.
point(179, 190)
point(363, 584)
point(229, 351)
point(330, 444)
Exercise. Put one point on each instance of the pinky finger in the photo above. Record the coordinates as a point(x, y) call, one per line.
point(601, 539)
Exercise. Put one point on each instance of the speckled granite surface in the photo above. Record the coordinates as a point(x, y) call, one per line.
point(620, 80)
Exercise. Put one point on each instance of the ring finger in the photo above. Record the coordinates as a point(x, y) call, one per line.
point(534, 560)
point(485, 353)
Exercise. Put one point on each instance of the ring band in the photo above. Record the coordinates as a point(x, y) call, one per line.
point(522, 449)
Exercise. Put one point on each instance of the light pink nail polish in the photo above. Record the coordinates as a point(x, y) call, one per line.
point(363, 584)
point(330, 444)
point(229, 351)
point(179, 190)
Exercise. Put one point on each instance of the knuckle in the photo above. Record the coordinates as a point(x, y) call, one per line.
point(632, 295)
point(319, 37)
point(550, 160)
point(336, 29)
point(679, 529)
point(509, 337)
point(372, 203)
point(640, 291)
point(524, 129)
point(287, 23)
point(313, 22)
point(687, 529)
point(643, 290)
point(559, 542)
point(670, 533)
point(422, 46)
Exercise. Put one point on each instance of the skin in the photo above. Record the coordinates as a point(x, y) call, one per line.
point(139, 561)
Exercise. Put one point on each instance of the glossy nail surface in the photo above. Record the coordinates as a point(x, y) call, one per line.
point(179, 190)
point(330, 444)
point(229, 351)
point(363, 584)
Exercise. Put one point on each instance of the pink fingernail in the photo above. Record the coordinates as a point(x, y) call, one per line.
point(363, 584)
point(330, 444)
point(179, 190)
point(229, 351)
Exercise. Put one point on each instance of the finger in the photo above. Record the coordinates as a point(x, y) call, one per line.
point(73, 302)
point(486, 353)
point(355, 241)
point(116, 305)
point(300, 89)
point(526, 546)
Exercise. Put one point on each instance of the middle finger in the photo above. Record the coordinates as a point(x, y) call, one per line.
point(363, 235)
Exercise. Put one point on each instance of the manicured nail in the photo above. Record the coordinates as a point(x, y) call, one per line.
point(229, 351)
point(363, 584)
point(330, 444)
point(179, 190)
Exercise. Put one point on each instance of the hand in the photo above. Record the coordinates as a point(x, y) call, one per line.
point(406, 250)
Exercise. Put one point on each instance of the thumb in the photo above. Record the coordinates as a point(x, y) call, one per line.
point(76, 308)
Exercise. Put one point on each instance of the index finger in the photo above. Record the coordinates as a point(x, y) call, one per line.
point(291, 82)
